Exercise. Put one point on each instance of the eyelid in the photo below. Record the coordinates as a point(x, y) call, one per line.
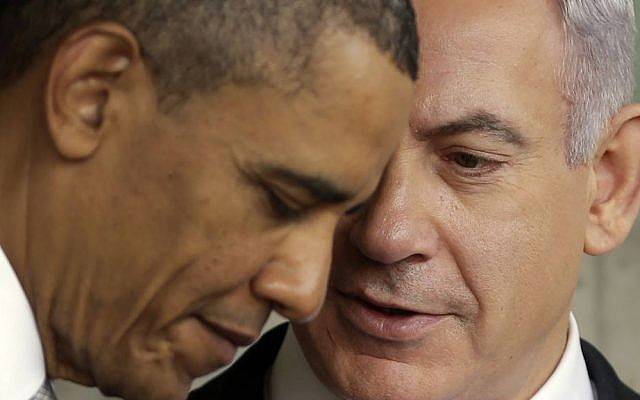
point(495, 162)
point(355, 209)
point(474, 150)
point(283, 204)
point(492, 156)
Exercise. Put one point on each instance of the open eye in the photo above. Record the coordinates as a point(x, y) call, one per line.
point(467, 160)
point(471, 164)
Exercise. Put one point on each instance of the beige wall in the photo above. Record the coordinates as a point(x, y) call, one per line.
point(607, 307)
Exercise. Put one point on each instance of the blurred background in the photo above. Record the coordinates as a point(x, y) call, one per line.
point(607, 306)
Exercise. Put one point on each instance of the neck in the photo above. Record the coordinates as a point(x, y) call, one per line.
point(540, 364)
point(23, 143)
point(19, 114)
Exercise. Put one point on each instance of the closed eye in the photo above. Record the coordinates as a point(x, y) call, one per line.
point(355, 209)
point(282, 206)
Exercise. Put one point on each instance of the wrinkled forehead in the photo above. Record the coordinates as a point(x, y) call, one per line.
point(489, 27)
point(497, 54)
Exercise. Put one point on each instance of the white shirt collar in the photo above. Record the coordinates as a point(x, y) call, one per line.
point(292, 378)
point(22, 367)
point(570, 380)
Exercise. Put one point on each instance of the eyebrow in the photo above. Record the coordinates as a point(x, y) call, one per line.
point(319, 188)
point(479, 121)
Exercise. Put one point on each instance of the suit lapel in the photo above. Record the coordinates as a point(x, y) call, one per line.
point(246, 378)
point(608, 385)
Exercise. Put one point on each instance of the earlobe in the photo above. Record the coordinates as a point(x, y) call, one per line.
point(616, 177)
point(82, 80)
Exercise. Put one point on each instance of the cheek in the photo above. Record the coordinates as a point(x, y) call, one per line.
point(213, 277)
point(182, 239)
point(215, 283)
point(521, 260)
point(206, 220)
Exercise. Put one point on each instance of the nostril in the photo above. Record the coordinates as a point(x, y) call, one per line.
point(290, 298)
point(279, 308)
point(415, 259)
point(294, 282)
point(310, 316)
point(298, 312)
point(401, 244)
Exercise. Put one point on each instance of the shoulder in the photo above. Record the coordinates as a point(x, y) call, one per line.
point(245, 378)
point(608, 385)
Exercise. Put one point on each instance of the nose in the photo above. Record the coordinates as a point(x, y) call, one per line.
point(295, 279)
point(397, 224)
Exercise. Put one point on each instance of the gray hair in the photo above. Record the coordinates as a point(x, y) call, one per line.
point(598, 70)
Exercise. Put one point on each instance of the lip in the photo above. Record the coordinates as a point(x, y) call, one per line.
point(199, 347)
point(366, 315)
point(235, 337)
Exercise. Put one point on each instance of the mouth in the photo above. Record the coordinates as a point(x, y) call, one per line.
point(235, 337)
point(387, 321)
point(201, 346)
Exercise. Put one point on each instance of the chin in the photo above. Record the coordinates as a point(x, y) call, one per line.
point(366, 378)
point(148, 380)
point(150, 390)
point(357, 376)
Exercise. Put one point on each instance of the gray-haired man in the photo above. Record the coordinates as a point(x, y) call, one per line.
point(170, 171)
point(455, 282)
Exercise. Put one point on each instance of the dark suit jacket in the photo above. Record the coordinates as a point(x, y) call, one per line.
point(246, 378)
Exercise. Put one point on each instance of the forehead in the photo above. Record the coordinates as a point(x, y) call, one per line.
point(499, 56)
point(352, 113)
point(342, 126)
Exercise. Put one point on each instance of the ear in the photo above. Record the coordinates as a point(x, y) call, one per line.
point(616, 181)
point(86, 73)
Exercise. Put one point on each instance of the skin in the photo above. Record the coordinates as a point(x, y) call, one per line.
point(485, 228)
point(129, 227)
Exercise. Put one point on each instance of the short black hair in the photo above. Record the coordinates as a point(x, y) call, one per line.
point(200, 44)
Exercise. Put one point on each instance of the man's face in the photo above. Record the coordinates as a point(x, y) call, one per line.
point(186, 230)
point(455, 281)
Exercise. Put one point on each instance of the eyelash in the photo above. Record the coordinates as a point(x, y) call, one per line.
point(354, 210)
point(280, 207)
point(282, 210)
point(491, 164)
